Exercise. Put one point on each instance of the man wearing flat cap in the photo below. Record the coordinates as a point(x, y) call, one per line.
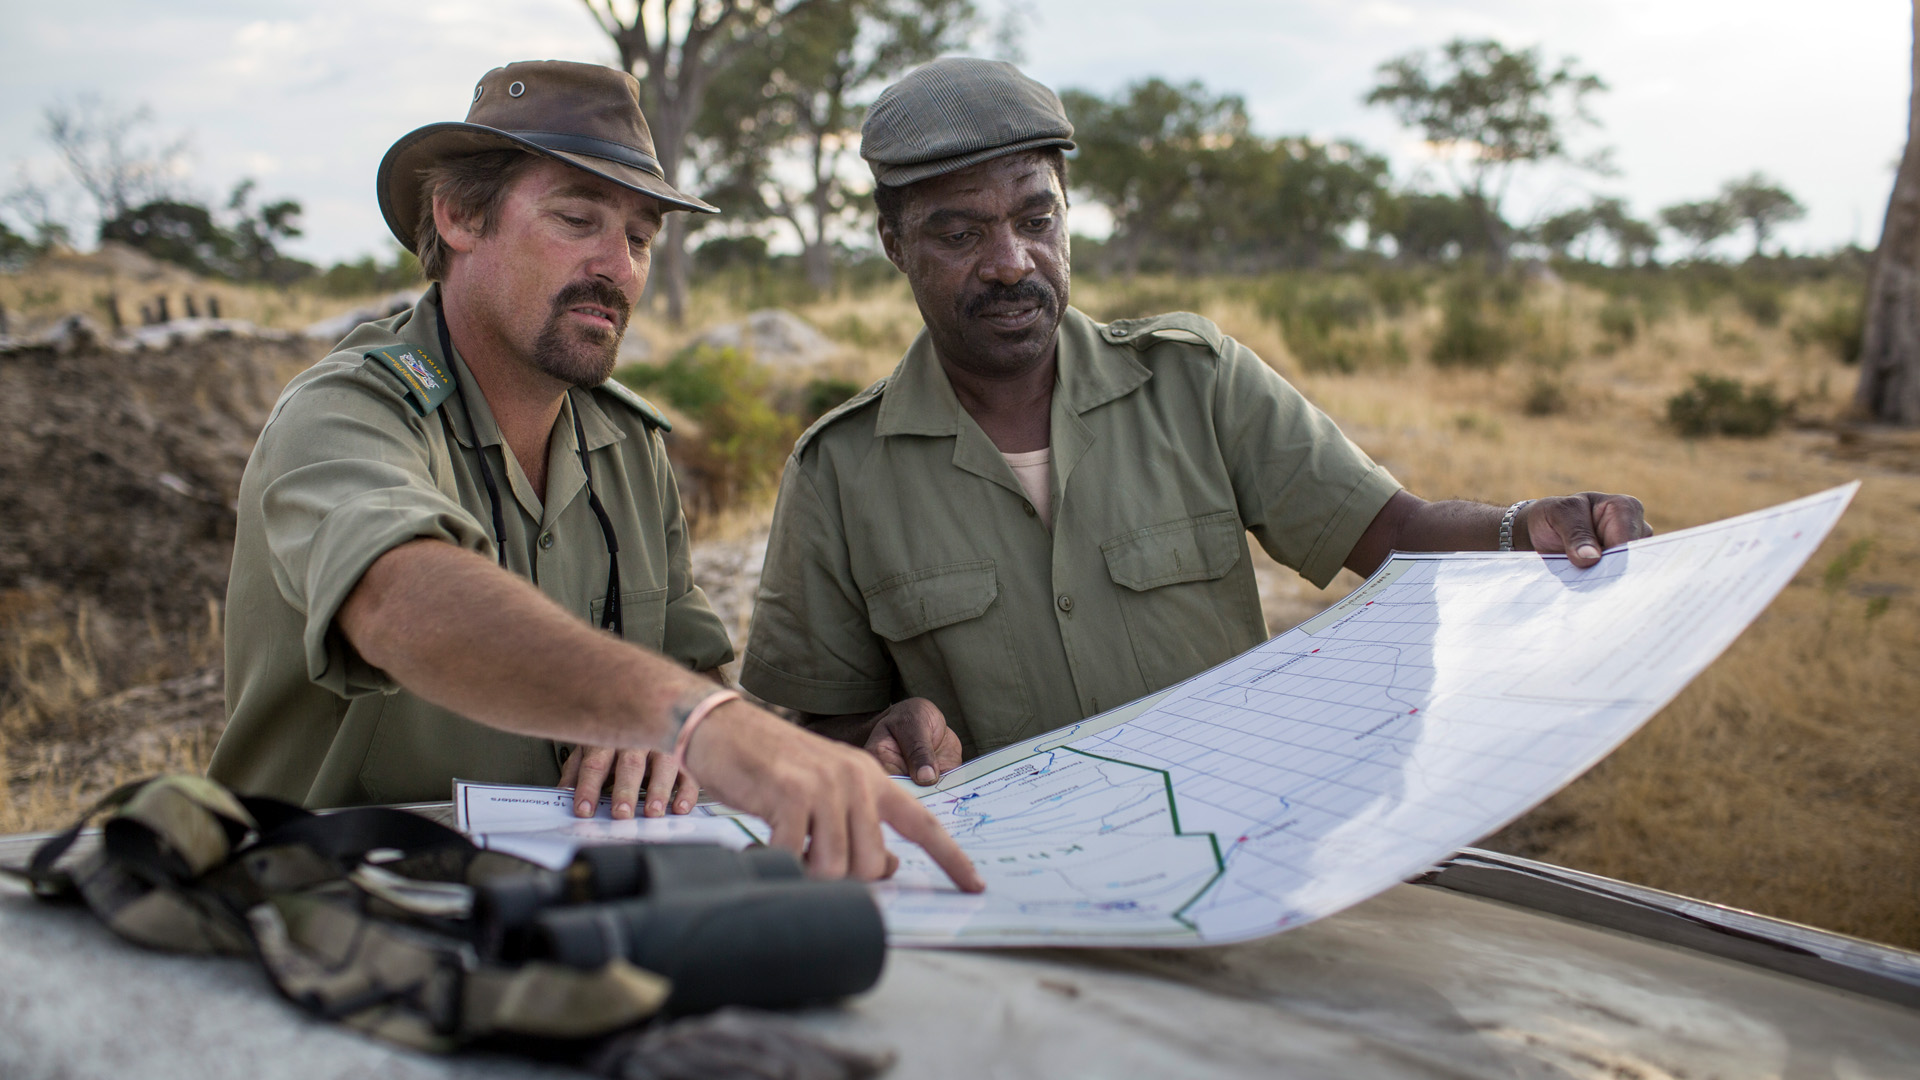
point(1038, 517)
point(460, 550)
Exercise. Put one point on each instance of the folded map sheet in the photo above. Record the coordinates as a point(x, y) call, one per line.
point(1445, 697)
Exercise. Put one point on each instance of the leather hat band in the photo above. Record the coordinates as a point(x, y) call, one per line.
point(592, 147)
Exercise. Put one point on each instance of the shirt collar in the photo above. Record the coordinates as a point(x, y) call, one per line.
point(920, 401)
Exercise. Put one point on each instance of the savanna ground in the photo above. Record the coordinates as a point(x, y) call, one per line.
point(1785, 780)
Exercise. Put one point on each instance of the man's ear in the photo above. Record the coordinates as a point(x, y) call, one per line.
point(459, 233)
point(890, 243)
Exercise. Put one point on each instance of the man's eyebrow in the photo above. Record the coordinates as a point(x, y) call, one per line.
point(593, 194)
point(1043, 200)
point(1040, 200)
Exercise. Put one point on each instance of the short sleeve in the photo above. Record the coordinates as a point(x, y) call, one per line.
point(811, 647)
point(346, 466)
point(695, 635)
point(1306, 492)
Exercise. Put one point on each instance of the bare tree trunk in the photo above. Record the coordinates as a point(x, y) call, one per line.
point(673, 75)
point(1889, 389)
point(817, 256)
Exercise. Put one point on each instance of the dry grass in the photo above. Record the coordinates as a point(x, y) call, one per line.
point(1785, 780)
point(60, 284)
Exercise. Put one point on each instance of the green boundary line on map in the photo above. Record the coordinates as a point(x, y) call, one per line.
point(1173, 809)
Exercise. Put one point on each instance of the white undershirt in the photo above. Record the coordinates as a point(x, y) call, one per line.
point(1034, 470)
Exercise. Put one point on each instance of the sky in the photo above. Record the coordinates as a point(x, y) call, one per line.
point(306, 97)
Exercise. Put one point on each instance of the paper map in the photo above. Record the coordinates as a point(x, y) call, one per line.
point(1446, 696)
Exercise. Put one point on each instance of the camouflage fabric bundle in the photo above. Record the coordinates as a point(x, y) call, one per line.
point(366, 917)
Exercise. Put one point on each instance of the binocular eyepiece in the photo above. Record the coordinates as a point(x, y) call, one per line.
point(726, 927)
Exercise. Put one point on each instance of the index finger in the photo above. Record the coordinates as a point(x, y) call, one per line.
point(917, 824)
point(595, 763)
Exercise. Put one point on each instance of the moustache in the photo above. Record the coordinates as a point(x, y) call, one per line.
point(594, 292)
point(998, 295)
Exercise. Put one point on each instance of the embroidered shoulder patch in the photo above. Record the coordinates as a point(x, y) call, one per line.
point(428, 381)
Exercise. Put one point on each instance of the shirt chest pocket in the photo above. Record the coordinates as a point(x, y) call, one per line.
point(950, 642)
point(1197, 549)
point(1184, 606)
point(909, 605)
point(643, 616)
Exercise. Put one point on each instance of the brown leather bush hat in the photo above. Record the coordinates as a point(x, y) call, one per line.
point(583, 114)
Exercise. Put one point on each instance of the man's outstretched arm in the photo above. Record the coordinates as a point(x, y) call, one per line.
point(458, 631)
point(1580, 526)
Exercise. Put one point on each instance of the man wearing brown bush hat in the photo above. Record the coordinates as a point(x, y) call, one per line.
point(460, 548)
point(1038, 517)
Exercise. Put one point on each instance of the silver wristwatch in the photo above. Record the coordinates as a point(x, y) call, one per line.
point(1506, 523)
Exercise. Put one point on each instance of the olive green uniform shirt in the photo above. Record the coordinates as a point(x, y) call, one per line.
point(350, 466)
point(906, 561)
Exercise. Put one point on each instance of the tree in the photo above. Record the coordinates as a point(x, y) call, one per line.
point(110, 156)
point(1430, 227)
point(1760, 204)
point(1490, 110)
point(256, 235)
point(675, 47)
point(184, 232)
point(33, 204)
point(1563, 230)
point(1701, 223)
point(1633, 240)
point(788, 109)
point(1889, 387)
point(1292, 199)
point(1156, 157)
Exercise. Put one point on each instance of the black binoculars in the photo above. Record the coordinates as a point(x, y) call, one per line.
point(726, 927)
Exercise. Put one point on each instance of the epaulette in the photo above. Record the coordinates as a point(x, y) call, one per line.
point(1181, 326)
point(846, 408)
point(620, 392)
point(429, 384)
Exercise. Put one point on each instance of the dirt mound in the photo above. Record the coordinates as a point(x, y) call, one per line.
point(118, 472)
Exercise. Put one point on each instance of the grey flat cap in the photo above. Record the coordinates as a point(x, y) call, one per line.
point(957, 112)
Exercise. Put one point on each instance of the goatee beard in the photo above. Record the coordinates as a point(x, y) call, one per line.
point(576, 355)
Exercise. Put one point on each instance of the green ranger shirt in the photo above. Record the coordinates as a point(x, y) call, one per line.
point(371, 448)
point(907, 561)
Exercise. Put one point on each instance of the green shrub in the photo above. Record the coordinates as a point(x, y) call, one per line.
point(1761, 302)
point(1840, 330)
point(743, 441)
point(821, 395)
point(1470, 335)
point(1546, 396)
point(1721, 406)
point(1619, 321)
point(1396, 290)
point(1330, 324)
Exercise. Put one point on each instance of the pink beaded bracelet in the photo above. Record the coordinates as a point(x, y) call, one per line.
point(707, 705)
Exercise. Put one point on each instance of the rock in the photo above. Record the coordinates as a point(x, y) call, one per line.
point(71, 333)
point(634, 349)
point(341, 325)
point(773, 337)
point(179, 332)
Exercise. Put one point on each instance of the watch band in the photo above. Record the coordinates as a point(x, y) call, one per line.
point(1506, 523)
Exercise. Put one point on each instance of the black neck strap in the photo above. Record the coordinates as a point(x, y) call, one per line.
point(486, 471)
point(610, 608)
